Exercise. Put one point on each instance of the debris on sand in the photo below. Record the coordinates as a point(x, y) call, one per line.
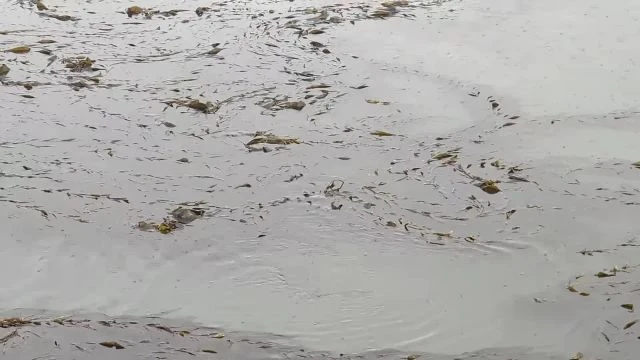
point(13, 322)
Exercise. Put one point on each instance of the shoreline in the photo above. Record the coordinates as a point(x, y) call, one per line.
point(102, 337)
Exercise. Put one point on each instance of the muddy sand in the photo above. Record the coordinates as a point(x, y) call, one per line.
point(456, 179)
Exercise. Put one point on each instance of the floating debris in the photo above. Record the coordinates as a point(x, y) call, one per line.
point(4, 70)
point(134, 10)
point(268, 138)
point(374, 101)
point(295, 105)
point(629, 324)
point(58, 16)
point(204, 107)
point(627, 306)
point(79, 64)
point(381, 133)
point(214, 51)
point(112, 344)
point(179, 217)
point(19, 50)
point(603, 274)
point(201, 10)
point(166, 226)
point(395, 3)
point(577, 356)
point(489, 186)
point(186, 215)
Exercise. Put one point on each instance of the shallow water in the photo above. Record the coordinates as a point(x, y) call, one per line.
point(82, 164)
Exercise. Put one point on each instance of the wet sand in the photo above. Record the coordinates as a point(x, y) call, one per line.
point(373, 232)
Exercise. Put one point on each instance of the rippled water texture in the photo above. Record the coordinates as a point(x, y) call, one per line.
point(367, 226)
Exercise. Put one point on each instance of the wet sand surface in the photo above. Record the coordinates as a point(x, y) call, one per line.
point(436, 178)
